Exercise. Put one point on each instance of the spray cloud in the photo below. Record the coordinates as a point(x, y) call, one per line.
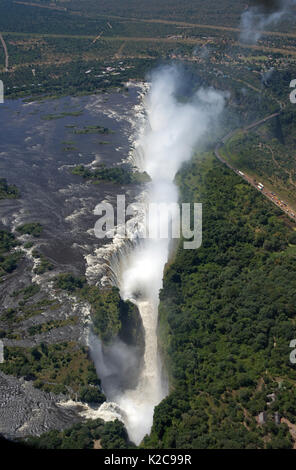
point(263, 14)
point(173, 129)
point(171, 132)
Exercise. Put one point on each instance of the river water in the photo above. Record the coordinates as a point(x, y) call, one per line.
point(38, 148)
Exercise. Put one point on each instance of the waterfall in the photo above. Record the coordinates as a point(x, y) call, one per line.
point(169, 133)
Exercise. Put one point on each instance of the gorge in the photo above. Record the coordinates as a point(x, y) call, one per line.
point(170, 132)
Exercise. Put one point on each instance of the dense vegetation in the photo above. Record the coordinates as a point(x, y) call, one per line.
point(33, 228)
point(88, 435)
point(227, 316)
point(58, 368)
point(119, 175)
point(8, 191)
point(8, 256)
point(110, 314)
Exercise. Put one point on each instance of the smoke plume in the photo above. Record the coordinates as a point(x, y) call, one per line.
point(263, 14)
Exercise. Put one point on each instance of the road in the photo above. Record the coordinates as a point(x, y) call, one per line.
point(189, 41)
point(5, 52)
point(252, 181)
point(159, 21)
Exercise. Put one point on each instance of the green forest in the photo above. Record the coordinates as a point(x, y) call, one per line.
point(9, 256)
point(110, 314)
point(58, 368)
point(111, 435)
point(227, 316)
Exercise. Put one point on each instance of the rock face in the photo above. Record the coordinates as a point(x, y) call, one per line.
point(25, 410)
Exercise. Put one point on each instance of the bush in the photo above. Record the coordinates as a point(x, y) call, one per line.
point(33, 228)
point(91, 394)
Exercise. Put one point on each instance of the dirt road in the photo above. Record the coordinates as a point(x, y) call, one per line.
point(189, 41)
point(160, 21)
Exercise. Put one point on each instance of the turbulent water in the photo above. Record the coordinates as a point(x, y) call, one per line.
point(169, 132)
point(33, 155)
point(164, 132)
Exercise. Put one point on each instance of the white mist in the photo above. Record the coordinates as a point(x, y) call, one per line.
point(168, 139)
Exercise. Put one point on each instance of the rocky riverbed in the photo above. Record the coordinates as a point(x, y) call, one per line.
point(40, 143)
